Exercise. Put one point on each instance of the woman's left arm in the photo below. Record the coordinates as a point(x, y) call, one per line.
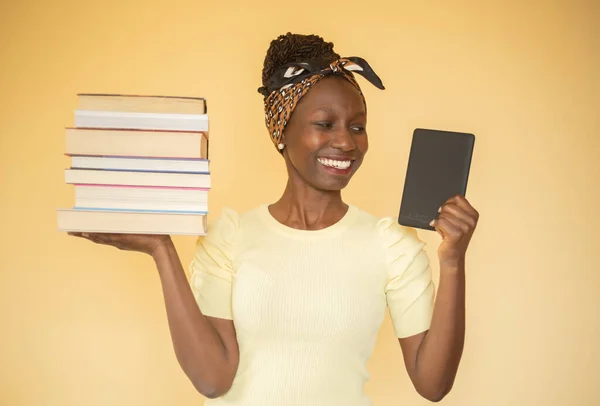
point(432, 357)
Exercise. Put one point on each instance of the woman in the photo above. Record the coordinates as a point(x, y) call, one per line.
point(285, 301)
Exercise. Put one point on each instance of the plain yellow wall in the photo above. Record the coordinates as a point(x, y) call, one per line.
point(85, 325)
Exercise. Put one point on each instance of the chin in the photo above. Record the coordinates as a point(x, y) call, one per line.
point(331, 189)
point(331, 186)
point(332, 183)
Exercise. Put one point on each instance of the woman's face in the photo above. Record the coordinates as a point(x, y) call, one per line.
point(326, 138)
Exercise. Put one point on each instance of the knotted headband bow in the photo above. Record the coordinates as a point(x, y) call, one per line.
point(291, 82)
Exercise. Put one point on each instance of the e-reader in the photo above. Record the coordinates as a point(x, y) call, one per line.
point(438, 168)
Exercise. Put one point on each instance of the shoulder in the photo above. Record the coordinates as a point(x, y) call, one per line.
point(386, 228)
point(229, 223)
point(223, 226)
point(397, 243)
point(391, 232)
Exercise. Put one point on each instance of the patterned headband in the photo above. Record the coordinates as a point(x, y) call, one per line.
point(291, 82)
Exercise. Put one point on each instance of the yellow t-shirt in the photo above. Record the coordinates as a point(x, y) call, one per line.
point(307, 305)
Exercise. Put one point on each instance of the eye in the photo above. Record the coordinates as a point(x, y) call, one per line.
point(358, 128)
point(324, 124)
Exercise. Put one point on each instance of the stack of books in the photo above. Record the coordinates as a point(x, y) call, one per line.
point(139, 165)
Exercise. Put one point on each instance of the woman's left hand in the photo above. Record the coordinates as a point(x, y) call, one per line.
point(456, 223)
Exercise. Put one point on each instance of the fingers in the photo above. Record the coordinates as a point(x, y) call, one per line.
point(448, 225)
point(145, 243)
point(79, 234)
point(102, 238)
point(464, 204)
point(119, 241)
point(456, 218)
point(460, 214)
point(99, 238)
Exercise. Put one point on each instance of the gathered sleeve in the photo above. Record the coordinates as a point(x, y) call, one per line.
point(409, 289)
point(212, 269)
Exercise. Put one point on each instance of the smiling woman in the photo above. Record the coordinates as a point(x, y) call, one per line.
point(285, 301)
point(326, 138)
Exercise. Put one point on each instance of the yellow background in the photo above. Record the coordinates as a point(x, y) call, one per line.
point(85, 325)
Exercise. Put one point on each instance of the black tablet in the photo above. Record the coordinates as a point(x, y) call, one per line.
point(438, 168)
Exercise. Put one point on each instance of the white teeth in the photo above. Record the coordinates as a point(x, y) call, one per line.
point(335, 164)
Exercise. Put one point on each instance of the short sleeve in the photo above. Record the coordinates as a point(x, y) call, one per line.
point(409, 290)
point(212, 270)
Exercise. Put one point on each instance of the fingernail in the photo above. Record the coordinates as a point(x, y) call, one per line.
point(440, 209)
point(432, 223)
point(85, 235)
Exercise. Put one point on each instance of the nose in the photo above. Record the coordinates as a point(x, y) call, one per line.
point(343, 140)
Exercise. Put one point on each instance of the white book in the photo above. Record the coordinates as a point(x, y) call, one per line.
point(126, 178)
point(141, 103)
point(141, 121)
point(141, 198)
point(96, 221)
point(140, 164)
point(136, 143)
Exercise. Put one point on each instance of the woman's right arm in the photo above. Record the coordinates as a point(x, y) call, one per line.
point(205, 347)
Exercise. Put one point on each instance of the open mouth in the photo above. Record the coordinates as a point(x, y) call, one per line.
point(336, 166)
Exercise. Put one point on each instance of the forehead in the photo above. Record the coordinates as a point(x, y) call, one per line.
point(332, 91)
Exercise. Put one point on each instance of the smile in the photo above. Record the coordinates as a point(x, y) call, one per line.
point(332, 163)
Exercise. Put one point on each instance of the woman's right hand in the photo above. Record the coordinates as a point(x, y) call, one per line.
point(145, 243)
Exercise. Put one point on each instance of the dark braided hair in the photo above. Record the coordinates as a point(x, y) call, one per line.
point(290, 48)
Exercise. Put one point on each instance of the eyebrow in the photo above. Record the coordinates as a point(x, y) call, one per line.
point(325, 109)
point(331, 111)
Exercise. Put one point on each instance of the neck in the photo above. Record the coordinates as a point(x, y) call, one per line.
point(306, 208)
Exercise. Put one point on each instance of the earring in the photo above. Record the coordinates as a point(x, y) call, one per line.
point(281, 146)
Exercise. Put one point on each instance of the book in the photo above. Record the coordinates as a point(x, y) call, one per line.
point(141, 121)
point(133, 142)
point(139, 164)
point(127, 178)
point(121, 163)
point(125, 222)
point(141, 103)
point(141, 198)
